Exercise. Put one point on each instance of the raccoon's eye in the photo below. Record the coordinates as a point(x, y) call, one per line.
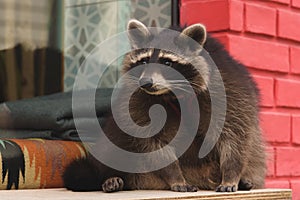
point(143, 62)
point(168, 63)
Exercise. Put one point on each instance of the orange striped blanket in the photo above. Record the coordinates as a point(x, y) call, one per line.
point(36, 163)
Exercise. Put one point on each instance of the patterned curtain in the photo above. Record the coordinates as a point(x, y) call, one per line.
point(89, 22)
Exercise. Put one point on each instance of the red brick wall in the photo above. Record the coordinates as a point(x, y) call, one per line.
point(265, 36)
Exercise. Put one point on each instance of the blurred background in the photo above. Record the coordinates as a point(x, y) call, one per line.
point(43, 44)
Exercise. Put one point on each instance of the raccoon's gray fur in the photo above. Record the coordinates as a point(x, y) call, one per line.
point(237, 161)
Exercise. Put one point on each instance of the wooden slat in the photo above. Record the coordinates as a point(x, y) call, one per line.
point(62, 194)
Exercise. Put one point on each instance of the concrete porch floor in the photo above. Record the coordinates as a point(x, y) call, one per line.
point(62, 194)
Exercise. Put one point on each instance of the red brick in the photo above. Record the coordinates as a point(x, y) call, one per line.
point(276, 126)
point(295, 61)
point(222, 38)
point(287, 93)
point(278, 184)
point(266, 87)
point(288, 24)
point(214, 14)
point(260, 19)
point(260, 54)
point(270, 161)
point(296, 3)
point(282, 1)
point(296, 129)
point(236, 15)
point(295, 186)
point(287, 161)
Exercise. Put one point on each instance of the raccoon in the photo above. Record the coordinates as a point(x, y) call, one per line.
point(237, 160)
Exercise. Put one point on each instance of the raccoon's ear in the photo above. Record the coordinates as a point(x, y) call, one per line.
point(197, 32)
point(138, 33)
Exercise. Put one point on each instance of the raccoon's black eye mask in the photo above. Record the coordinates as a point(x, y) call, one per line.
point(164, 61)
point(143, 61)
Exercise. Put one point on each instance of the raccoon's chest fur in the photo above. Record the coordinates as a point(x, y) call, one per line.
point(204, 173)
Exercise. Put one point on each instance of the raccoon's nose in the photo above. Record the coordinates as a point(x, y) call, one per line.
point(146, 83)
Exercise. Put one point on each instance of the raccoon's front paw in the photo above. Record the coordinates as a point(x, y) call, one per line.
point(227, 188)
point(184, 188)
point(113, 184)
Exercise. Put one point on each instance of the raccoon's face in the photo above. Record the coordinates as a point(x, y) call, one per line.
point(158, 68)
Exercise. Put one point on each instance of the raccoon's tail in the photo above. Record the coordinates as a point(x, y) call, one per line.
point(82, 175)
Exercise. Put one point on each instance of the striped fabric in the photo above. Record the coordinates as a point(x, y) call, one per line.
point(36, 163)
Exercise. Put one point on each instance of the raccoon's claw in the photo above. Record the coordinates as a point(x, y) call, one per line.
point(113, 184)
point(226, 188)
point(184, 188)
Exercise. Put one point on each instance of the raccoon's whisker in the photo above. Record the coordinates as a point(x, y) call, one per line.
point(178, 81)
point(181, 89)
point(195, 84)
point(181, 85)
point(184, 84)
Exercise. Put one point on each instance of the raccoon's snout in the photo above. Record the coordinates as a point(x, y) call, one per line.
point(153, 82)
point(146, 83)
